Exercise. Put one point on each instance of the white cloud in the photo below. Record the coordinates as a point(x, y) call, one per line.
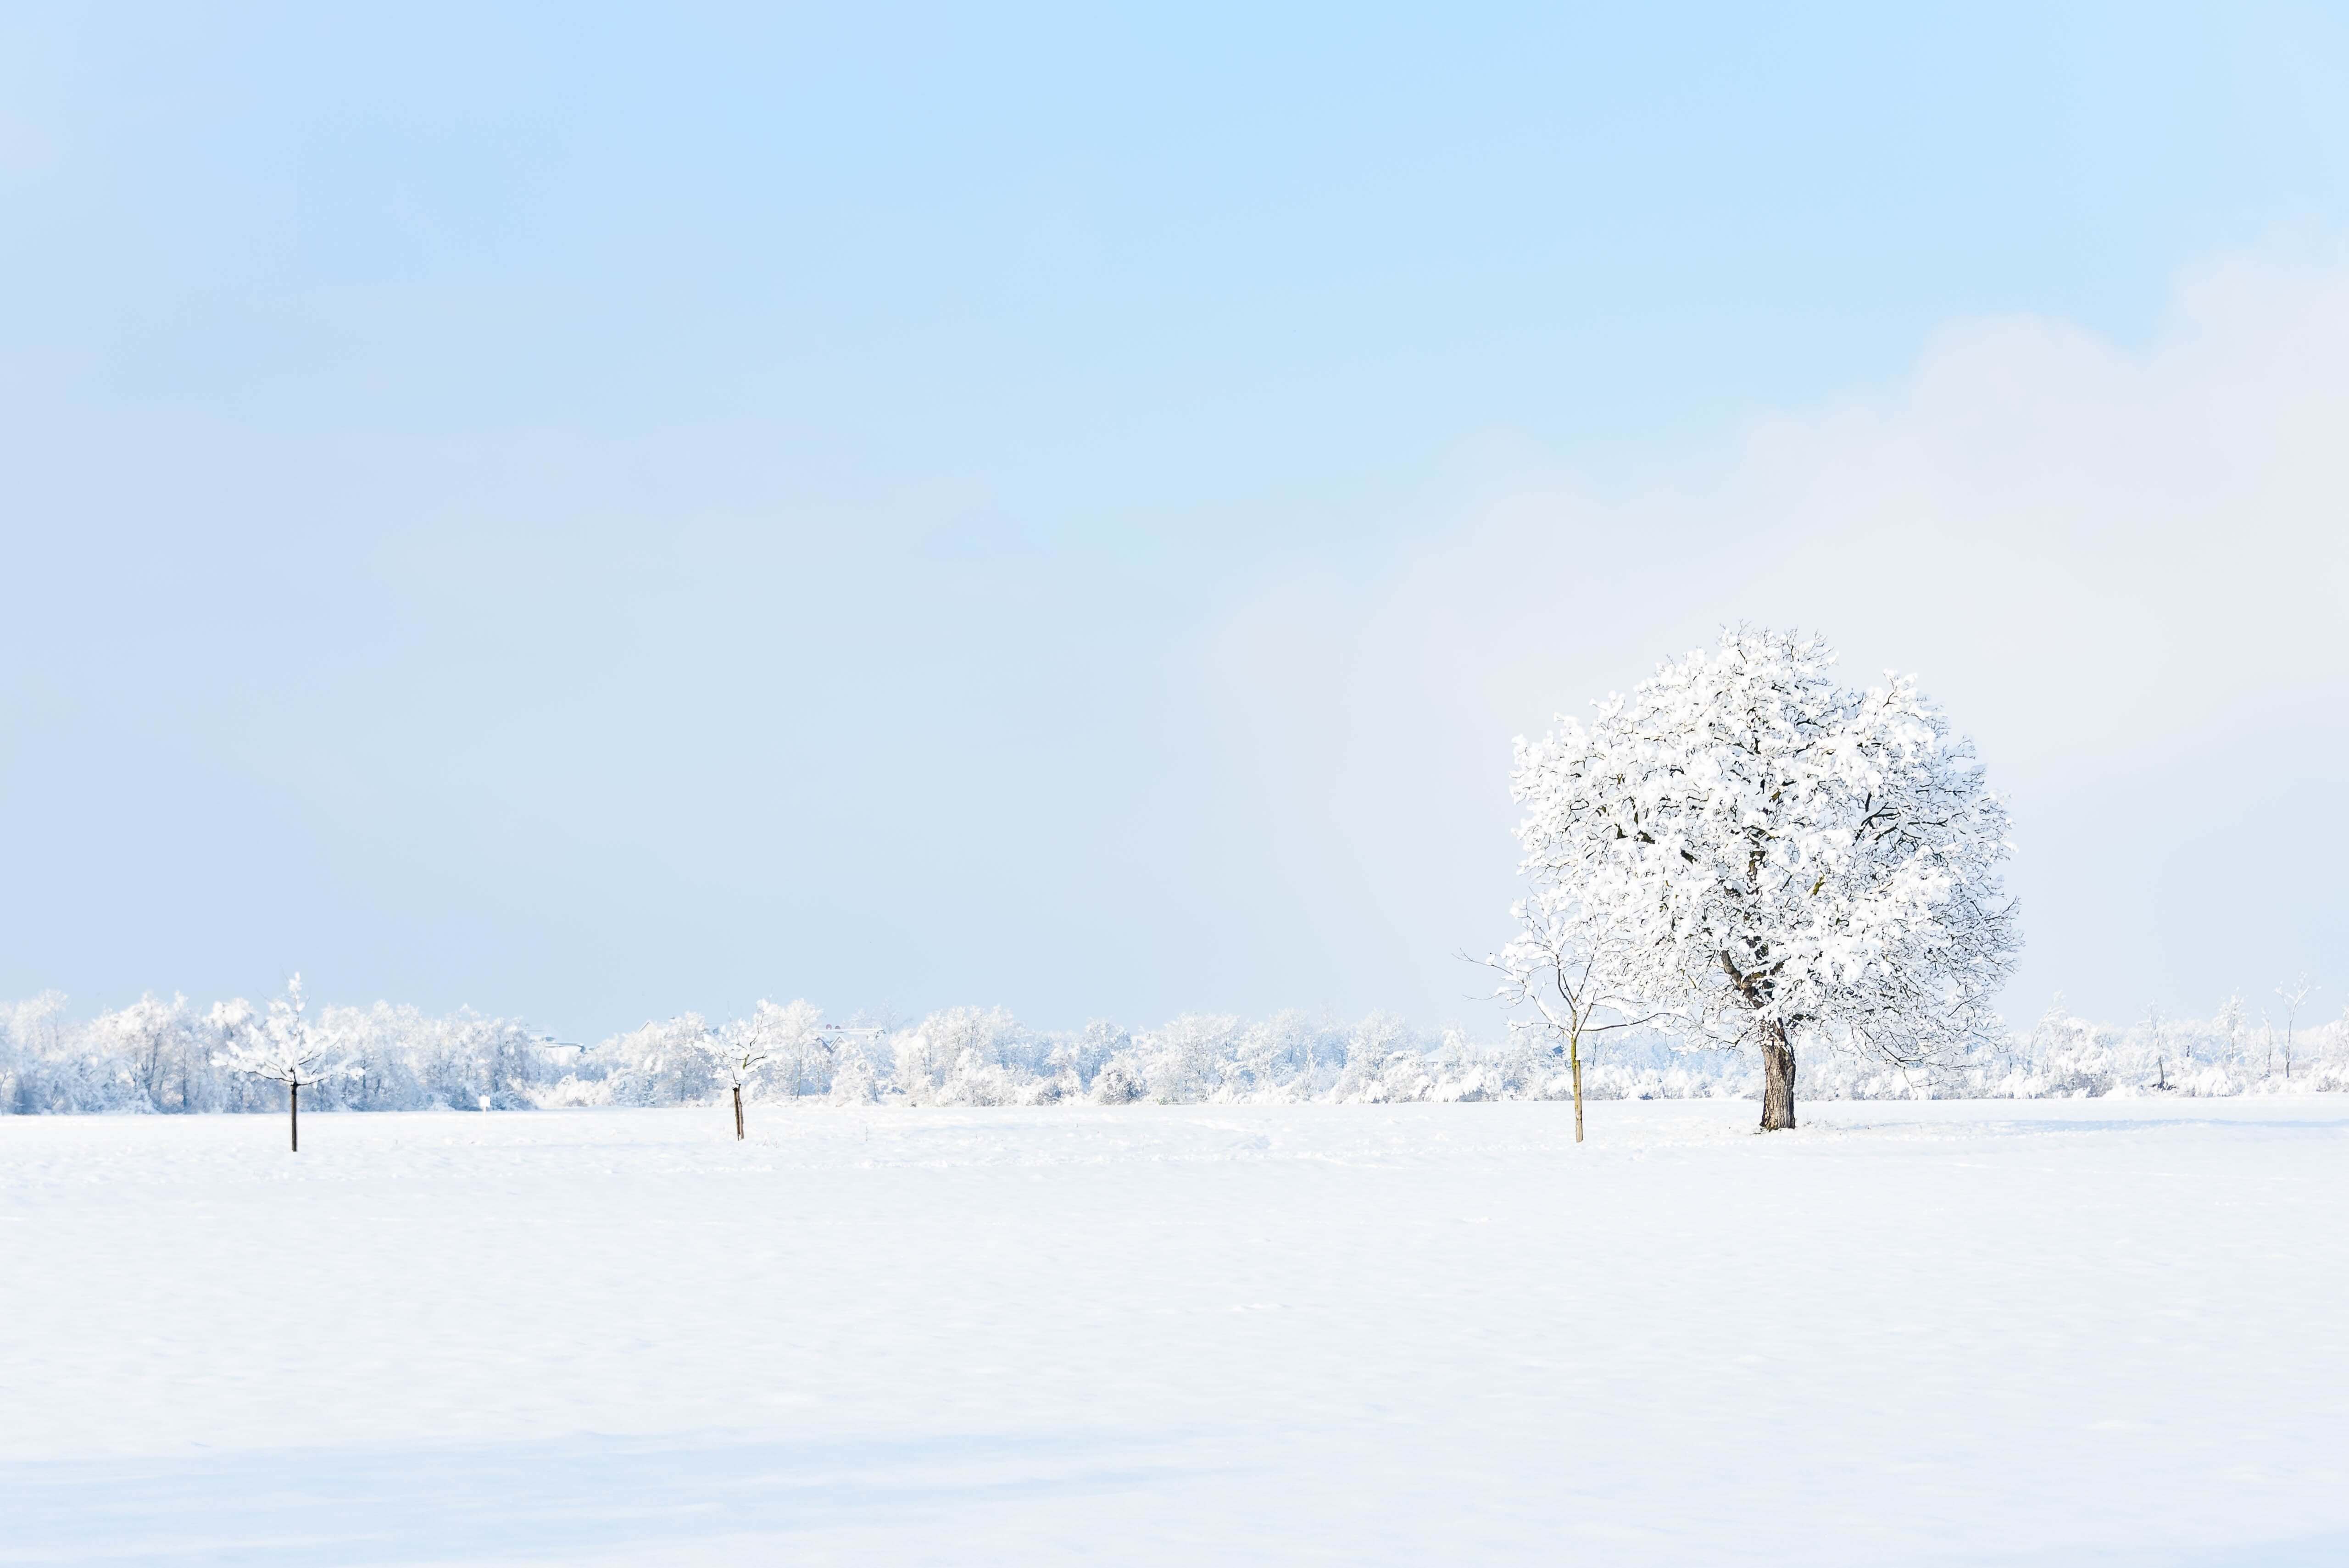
point(2124, 571)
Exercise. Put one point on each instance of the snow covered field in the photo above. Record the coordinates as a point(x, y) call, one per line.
point(2110, 1331)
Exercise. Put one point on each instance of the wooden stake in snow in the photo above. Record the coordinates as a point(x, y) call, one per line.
point(283, 1047)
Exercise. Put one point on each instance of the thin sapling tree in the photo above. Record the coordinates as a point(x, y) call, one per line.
point(283, 1047)
point(1567, 965)
point(742, 1049)
point(737, 1051)
point(2293, 995)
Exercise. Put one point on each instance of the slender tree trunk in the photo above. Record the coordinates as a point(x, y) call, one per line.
point(294, 1113)
point(1777, 1079)
point(1574, 1050)
point(738, 1113)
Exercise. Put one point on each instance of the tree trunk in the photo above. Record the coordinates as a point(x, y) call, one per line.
point(1575, 1047)
point(294, 1113)
point(738, 1113)
point(1777, 1079)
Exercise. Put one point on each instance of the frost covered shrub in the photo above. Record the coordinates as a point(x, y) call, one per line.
point(408, 1060)
point(860, 1067)
point(158, 1055)
point(1192, 1058)
point(1121, 1082)
point(37, 1075)
point(661, 1064)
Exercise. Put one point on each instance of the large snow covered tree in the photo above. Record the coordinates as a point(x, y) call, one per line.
point(1766, 856)
point(283, 1047)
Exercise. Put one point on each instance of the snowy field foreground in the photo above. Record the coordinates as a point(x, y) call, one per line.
point(1951, 1332)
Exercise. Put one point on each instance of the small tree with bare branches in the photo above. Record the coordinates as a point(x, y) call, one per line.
point(2293, 995)
point(283, 1046)
point(1566, 967)
point(741, 1050)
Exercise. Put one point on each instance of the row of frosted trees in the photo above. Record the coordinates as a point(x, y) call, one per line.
point(170, 1056)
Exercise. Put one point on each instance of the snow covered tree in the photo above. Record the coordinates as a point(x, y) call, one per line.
point(283, 1047)
point(737, 1051)
point(2232, 1026)
point(742, 1049)
point(1771, 856)
point(804, 1048)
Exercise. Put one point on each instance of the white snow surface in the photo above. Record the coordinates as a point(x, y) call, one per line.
point(1946, 1331)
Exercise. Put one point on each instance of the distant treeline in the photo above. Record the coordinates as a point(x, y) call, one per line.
point(162, 1056)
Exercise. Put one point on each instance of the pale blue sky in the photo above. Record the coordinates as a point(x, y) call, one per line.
point(591, 515)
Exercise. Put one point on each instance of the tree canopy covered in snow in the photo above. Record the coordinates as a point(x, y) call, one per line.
point(279, 1044)
point(281, 1047)
point(1760, 853)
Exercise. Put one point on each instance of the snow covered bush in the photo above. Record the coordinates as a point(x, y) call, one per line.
point(1120, 1082)
point(666, 1063)
point(964, 1056)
